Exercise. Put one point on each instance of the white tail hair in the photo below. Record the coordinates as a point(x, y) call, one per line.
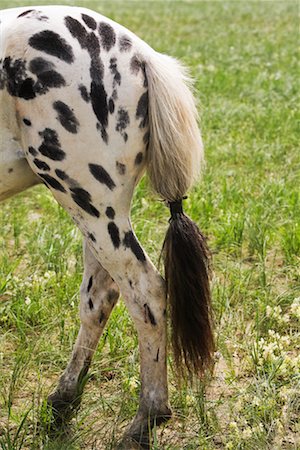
point(175, 152)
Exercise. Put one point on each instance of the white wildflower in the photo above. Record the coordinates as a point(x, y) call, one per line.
point(247, 433)
point(233, 426)
point(295, 308)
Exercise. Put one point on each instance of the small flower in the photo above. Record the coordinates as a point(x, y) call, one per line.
point(132, 384)
point(247, 433)
point(295, 308)
point(256, 401)
point(233, 426)
point(189, 400)
point(268, 311)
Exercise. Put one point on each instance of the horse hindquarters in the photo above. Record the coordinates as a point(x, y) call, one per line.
point(87, 141)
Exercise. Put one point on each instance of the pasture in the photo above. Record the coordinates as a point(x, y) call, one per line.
point(243, 57)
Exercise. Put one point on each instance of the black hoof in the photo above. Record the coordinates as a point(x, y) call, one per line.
point(139, 434)
point(134, 443)
point(63, 407)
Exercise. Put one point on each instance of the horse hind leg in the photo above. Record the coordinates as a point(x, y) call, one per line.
point(144, 294)
point(99, 293)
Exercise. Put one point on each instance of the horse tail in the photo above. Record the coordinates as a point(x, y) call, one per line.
point(175, 157)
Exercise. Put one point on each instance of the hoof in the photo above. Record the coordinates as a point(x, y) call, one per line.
point(131, 443)
point(139, 434)
point(63, 406)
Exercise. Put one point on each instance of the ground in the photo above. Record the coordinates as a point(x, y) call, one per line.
point(243, 56)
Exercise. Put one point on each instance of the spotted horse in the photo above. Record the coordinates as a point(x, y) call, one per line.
point(85, 108)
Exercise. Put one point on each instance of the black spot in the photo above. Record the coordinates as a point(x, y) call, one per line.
point(87, 40)
point(89, 21)
point(50, 146)
point(136, 64)
point(10, 170)
point(107, 36)
point(110, 212)
point(83, 199)
point(139, 158)
point(84, 93)
point(93, 48)
point(27, 122)
point(25, 13)
point(131, 242)
point(130, 283)
point(20, 85)
point(90, 283)
point(32, 151)
point(50, 79)
point(114, 70)
point(61, 174)
point(77, 30)
point(103, 132)
point(47, 77)
point(111, 106)
point(146, 138)
point(42, 165)
point(91, 237)
point(142, 110)
point(125, 43)
point(99, 103)
point(98, 96)
point(53, 44)
point(66, 117)
point(39, 65)
point(96, 68)
point(157, 356)
point(52, 182)
point(102, 175)
point(121, 168)
point(122, 122)
point(26, 89)
point(15, 77)
point(91, 304)
point(112, 295)
point(102, 317)
point(114, 233)
point(149, 315)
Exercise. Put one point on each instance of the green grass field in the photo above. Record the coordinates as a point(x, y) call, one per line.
point(243, 56)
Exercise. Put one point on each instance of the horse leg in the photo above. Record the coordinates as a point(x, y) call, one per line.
point(144, 293)
point(99, 293)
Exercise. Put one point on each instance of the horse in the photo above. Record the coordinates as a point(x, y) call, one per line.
point(86, 107)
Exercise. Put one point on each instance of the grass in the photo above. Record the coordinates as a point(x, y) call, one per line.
point(243, 56)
